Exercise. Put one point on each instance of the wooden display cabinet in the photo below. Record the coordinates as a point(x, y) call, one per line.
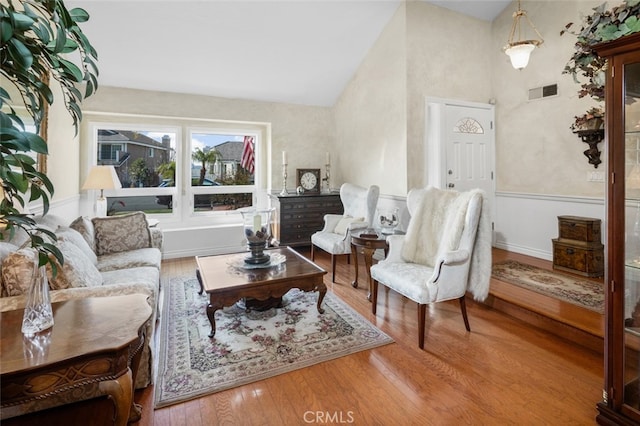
point(620, 403)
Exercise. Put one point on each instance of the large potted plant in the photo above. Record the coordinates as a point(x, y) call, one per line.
point(40, 40)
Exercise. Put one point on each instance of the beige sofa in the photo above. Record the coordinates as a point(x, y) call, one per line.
point(115, 255)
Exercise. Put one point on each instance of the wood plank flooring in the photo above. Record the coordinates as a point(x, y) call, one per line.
point(503, 372)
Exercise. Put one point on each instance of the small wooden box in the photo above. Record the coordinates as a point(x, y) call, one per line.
point(579, 258)
point(579, 228)
point(578, 248)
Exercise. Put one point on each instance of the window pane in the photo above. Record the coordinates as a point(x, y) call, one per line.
point(220, 202)
point(150, 204)
point(142, 159)
point(216, 159)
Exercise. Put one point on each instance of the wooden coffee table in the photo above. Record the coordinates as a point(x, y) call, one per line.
point(225, 280)
point(93, 340)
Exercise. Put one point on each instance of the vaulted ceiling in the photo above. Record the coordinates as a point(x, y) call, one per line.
point(294, 51)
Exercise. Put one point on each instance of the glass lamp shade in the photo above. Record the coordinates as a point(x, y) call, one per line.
point(257, 231)
point(519, 54)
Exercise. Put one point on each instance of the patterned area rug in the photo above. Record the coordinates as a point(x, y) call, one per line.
point(249, 346)
point(581, 292)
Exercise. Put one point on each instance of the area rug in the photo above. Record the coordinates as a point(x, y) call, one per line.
point(586, 293)
point(249, 346)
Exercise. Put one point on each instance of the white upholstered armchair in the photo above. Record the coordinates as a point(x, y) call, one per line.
point(446, 251)
point(359, 209)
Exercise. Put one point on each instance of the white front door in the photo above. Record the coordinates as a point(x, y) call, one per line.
point(469, 151)
point(460, 147)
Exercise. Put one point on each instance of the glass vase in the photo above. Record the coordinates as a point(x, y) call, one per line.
point(257, 231)
point(38, 315)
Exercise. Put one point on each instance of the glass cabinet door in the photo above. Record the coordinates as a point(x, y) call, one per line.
point(631, 87)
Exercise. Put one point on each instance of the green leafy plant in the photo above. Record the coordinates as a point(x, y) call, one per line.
point(601, 26)
point(39, 40)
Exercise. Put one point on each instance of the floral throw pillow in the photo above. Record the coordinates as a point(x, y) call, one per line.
point(69, 234)
point(115, 234)
point(85, 227)
point(77, 271)
point(17, 271)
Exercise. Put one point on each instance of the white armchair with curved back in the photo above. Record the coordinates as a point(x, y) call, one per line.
point(445, 253)
point(359, 209)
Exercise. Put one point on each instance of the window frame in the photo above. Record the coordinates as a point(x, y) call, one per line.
point(183, 213)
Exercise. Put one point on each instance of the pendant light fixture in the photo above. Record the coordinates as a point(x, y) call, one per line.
point(520, 50)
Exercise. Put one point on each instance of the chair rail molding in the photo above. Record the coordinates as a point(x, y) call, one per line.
point(526, 223)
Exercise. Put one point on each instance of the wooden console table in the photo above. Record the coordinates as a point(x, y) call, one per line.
point(93, 340)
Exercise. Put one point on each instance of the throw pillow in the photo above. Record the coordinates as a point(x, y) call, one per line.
point(85, 227)
point(115, 234)
point(17, 271)
point(343, 224)
point(5, 250)
point(77, 271)
point(68, 234)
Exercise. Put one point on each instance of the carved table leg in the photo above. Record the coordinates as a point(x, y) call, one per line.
point(368, 260)
point(121, 392)
point(322, 290)
point(199, 277)
point(354, 252)
point(211, 314)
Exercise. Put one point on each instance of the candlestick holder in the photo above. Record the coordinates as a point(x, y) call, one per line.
point(284, 180)
point(327, 178)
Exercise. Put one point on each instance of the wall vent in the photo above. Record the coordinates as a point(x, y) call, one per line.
point(543, 92)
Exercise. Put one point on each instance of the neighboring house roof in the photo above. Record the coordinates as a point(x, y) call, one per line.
point(230, 150)
point(128, 136)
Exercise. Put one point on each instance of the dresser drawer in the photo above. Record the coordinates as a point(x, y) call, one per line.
point(583, 259)
point(579, 228)
point(301, 216)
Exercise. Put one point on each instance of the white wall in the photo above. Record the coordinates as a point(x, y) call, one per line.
point(370, 116)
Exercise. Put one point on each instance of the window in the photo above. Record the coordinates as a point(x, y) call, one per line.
point(219, 179)
point(201, 176)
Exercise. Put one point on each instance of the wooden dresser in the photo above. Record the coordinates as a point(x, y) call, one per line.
point(578, 249)
point(299, 216)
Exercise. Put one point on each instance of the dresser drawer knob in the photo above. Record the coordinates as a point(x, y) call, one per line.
point(570, 251)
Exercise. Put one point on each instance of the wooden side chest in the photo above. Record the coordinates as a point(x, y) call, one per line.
point(578, 249)
point(302, 215)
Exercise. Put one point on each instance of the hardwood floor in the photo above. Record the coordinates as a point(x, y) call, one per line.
point(503, 372)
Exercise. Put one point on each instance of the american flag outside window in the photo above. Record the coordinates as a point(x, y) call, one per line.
point(248, 154)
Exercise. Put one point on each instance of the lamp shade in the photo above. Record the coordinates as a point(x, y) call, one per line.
point(102, 177)
point(519, 54)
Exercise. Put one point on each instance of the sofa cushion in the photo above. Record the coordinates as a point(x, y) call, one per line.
point(77, 271)
point(65, 233)
point(144, 275)
point(17, 271)
point(116, 234)
point(130, 259)
point(85, 227)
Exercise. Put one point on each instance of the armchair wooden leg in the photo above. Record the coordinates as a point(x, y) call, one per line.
point(313, 253)
point(374, 296)
point(333, 268)
point(422, 313)
point(463, 308)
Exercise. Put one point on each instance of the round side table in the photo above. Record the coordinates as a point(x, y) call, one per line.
point(369, 241)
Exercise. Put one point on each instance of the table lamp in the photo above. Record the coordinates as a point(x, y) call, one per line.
point(102, 177)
